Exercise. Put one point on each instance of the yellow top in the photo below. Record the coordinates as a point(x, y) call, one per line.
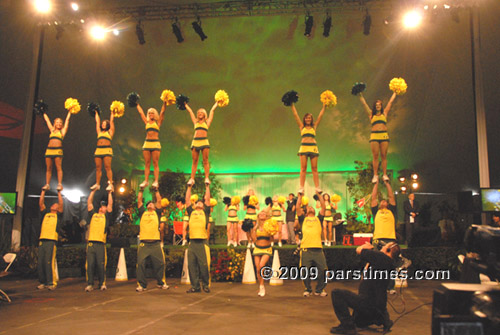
point(49, 225)
point(197, 225)
point(201, 126)
point(56, 134)
point(261, 232)
point(384, 224)
point(308, 132)
point(97, 229)
point(152, 126)
point(232, 208)
point(378, 119)
point(149, 226)
point(105, 135)
point(311, 233)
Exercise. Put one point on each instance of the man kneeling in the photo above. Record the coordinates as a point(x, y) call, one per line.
point(370, 305)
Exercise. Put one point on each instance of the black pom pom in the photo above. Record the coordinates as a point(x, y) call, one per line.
point(358, 88)
point(247, 225)
point(181, 101)
point(92, 108)
point(246, 199)
point(133, 98)
point(315, 197)
point(40, 107)
point(290, 98)
point(227, 201)
point(269, 201)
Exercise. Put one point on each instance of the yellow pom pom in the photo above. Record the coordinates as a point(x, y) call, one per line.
point(328, 98)
point(117, 108)
point(194, 198)
point(221, 98)
point(305, 201)
point(235, 200)
point(253, 201)
point(281, 199)
point(271, 227)
point(213, 202)
point(336, 198)
point(168, 97)
point(72, 105)
point(398, 86)
point(164, 202)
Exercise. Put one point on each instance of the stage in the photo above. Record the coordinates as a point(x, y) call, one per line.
point(228, 309)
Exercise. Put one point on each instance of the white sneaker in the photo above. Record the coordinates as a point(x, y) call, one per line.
point(59, 187)
point(46, 187)
point(103, 287)
point(375, 179)
point(40, 287)
point(95, 187)
point(207, 181)
point(229, 243)
point(155, 185)
point(190, 182)
point(262, 291)
point(184, 242)
point(235, 244)
point(163, 287)
point(280, 244)
point(301, 190)
point(89, 288)
point(385, 177)
point(318, 190)
point(306, 293)
point(110, 187)
point(249, 245)
point(322, 294)
point(144, 184)
point(139, 288)
point(272, 244)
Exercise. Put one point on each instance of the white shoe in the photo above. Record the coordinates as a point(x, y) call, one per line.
point(184, 242)
point(139, 288)
point(249, 245)
point(95, 187)
point(301, 190)
point(229, 243)
point(262, 291)
point(40, 287)
point(103, 287)
point(235, 244)
point(163, 287)
point(155, 185)
point(306, 294)
point(190, 182)
point(375, 179)
point(280, 244)
point(272, 244)
point(110, 187)
point(385, 177)
point(322, 294)
point(207, 181)
point(89, 288)
point(144, 184)
point(46, 187)
point(318, 190)
point(59, 187)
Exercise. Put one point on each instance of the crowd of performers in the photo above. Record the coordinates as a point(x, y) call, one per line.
point(262, 228)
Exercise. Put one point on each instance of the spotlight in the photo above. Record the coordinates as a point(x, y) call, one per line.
point(73, 195)
point(197, 28)
point(403, 189)
point(139, 31)
point(59, 31)
point(124, 181)
point(309, 25)
point(414, 185)
point(367, 24)
point(75, 6)
point(388, 20)
point(43, 6)
point(177, 31)
point(121, 189)
point(414, 176)
point(327, 24)
point(402, 179)
point(412, 19)
point(116, 32)
point(98, 32)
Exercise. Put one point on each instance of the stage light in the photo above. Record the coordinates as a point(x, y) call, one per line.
point(139, 31)
point(73, 195)
point(75, 6)
point(177, 31)
point(414, 185)
point(98, 33)
point(309, 25)
point(414, 176)
point(402, 179)
point(59, 31)
point(412, 19)
point(426, 7)
point(121, 189)
point(446, 6)
point(327, 24)
point(116, 32)
point(43, 6)
point(403, 189)
point(82, 21)
point(197, 28)
point(124, 181)
point(367, 24)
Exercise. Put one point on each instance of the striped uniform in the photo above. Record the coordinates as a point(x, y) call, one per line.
point(379, 135)
point(232, 217)
point(152, 145)
point(52, 152)
point(308, 148)
point(200, 143)
point(262, 250)
point(104, 150)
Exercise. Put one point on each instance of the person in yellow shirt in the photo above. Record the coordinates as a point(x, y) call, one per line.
point(49, 234)
point(96, 246)
point(150, 245)
point(198, 250)
point(311, 247)
point(384, 215)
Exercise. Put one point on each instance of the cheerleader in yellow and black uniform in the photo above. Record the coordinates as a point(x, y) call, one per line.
point(379, 139)
point(263, 249)
point(232, 207)
point(330, 209)
point(308, 146)
point(54, 152)
point(152, 147)
point(251, 205)
point(104, 151)
point(200, 140)
point(275, 207)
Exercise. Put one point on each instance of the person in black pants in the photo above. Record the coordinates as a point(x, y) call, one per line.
point(370, 304)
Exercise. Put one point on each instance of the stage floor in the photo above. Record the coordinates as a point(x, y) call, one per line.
point(228, 309)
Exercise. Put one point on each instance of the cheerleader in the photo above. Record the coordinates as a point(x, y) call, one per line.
point(251, 205)
point(104, 152)
point(232, 207)
point(330, 209)
point(152, 147)
point(263, 249)
point(275, 207)
point(200, 142)
point(54, 152)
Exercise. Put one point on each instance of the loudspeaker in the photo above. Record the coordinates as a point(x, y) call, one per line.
point(464, 200)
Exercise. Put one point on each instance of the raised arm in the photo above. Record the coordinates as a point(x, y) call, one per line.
point(211, 115)
point(190, 111)
point(390, 193)
point(320, 116)
point(41, 202)
point(322, 202)
point(389, 104)
point(299, 203)
point(162, 113)
point(111, 125)
point(49, 124)
point(110, 201)
point(207, 194)
point(141, 113)
point(365, 105)
point(140, 199)
point(188, 196)
point(98, 123)
point(374, 200)
point(157, 197)
point(60, 202)
point(90, 200)
point(297, 118)
point(66, 125)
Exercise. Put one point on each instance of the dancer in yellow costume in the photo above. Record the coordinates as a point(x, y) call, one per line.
point(379, 139)
point(54, 152)
point(263, 249)
point(330, 209)
point(104, 152)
